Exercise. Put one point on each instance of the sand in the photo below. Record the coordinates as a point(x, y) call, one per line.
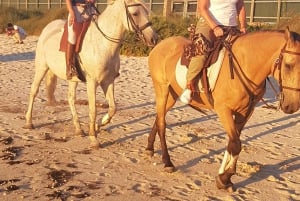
point(51, 163)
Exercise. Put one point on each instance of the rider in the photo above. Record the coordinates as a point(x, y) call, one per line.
point(76, 17)
point(215, 15)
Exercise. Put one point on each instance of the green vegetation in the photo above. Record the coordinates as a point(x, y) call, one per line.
point(33, 21)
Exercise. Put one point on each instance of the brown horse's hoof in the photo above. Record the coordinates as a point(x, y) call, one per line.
point(228, 187)
point(149, 152)
point(169, 169)
point(28, 126)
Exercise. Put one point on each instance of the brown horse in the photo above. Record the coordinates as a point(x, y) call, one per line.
point(257, 55)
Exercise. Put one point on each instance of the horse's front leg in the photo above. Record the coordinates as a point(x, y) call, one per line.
point(91, 91)
point(38, 77)
point(228, 166)
point(108, 90)
point(71, 100)
point(151, 139)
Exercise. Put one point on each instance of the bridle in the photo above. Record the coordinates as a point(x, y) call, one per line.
point(138, 30)
point(278, 65)
point(130, 21)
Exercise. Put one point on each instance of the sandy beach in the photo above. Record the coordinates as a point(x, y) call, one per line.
point(51, 163)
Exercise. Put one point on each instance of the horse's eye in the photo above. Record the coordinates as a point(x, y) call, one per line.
point(288, 66)
point(135, 14)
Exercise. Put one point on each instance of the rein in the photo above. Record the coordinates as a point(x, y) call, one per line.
point(278, 64)
point(228, 44)
point(138, 30)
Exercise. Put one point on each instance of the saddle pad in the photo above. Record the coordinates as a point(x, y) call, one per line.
point(212, 72)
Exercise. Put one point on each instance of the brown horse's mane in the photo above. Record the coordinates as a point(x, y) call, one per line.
point(294, 35)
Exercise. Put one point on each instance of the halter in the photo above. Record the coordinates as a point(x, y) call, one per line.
point(138, 30)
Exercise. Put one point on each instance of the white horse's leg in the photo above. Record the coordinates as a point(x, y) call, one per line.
point(38, 77)
point(109, 95)
point(50, 82)
point(71, 100)
point(91, 92)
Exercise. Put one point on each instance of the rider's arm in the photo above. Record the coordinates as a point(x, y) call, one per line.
point(71, 12)
point(240, 7)
point(203, 8)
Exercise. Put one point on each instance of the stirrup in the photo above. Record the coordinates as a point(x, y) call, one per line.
point(186, 96)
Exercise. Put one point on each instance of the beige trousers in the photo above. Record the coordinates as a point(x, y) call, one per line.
point(197, 62)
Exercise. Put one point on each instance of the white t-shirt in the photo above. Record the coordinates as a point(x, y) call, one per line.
point(224, 12)
point(21, 30)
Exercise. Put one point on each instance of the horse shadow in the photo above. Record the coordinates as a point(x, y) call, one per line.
point(275, 170)
point(24, 56)
point(194, 161)
point(152, 115)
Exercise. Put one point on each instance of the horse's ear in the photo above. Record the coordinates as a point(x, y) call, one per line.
point(288, 37)
point(287, 33)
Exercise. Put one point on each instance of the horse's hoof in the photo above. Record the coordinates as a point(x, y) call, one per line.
point(52, 103)
point(79, 133)
point(94, 143)
point(105, 120)
point(149, 152)
point(95, 146)
point(228, 187)
point(169, 169)
point(28, 126)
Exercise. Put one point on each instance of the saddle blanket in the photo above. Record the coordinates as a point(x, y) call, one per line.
point(212, 72)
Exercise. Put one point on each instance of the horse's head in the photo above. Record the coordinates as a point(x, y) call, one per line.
point(289, 79)
point(138, 21)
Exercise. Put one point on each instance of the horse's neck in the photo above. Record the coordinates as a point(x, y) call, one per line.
point(110, 22)
point(259, 52)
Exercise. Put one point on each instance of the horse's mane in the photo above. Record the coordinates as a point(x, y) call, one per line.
point(294, 35)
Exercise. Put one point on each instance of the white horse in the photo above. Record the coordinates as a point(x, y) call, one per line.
point(100, 57)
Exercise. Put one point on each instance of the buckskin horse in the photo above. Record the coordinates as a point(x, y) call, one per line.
point(257, 56)
point(99, 55)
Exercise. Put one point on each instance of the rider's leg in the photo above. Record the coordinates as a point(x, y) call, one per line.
point(197, 62)
point(70, 50)
point(195, 67)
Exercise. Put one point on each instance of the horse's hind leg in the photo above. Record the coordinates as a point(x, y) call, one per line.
point(50, 82)
point(71, 100)
point(38, 77)
point(164, 101)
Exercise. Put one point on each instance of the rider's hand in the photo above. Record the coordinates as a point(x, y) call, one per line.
point(218, 31)
point(243, 30)
point(71, 18)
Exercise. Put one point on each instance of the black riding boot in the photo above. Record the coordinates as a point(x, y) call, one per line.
point(70, 61)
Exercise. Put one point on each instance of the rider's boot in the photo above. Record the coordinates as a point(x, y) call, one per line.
point(70, 60)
